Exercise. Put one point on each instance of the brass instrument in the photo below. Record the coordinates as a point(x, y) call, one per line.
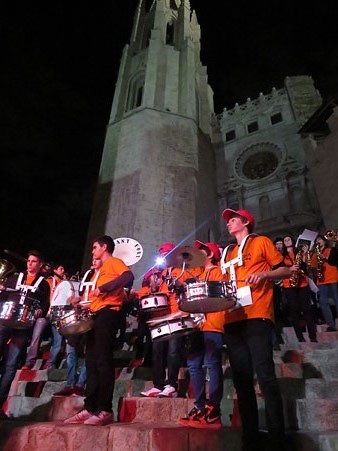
point(296, 275)
point(320, 264)
point(6, 269)
point(331, 235)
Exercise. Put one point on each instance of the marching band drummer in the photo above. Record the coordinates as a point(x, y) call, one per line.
point(168, 353)
point(32, 288)
point(206, 346)
point(75, 344)
point(53, 277)
point(253, 263)
point(106, 304)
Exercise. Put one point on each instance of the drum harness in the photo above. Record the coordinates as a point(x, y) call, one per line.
point(88, 285)
point(24, 289)
point(233, 262)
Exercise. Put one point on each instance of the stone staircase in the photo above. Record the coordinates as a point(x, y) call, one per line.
point(308, 377)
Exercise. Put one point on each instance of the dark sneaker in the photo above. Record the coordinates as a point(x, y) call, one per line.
point(193, 412)
point(210, 419)
point(331, 329)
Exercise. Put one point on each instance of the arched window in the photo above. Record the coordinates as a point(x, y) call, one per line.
point(135, 92)
point(170, 34)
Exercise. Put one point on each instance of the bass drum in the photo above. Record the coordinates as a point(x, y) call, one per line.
point(64, 292)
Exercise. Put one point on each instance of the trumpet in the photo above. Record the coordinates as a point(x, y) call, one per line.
point(331, 235)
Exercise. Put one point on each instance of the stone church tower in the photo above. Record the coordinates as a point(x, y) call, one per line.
point(156, 180)
point(170, 165)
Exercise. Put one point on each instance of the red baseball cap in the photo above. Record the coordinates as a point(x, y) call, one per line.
point(165, 248)
point(212, 246)
point(228, 212)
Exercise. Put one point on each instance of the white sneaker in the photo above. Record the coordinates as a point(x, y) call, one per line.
point(100, 419)
point(79, 418)
point(168, 392)
point(151, 393)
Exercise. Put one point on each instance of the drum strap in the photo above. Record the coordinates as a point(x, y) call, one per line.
point(235, 261)
point(88, 285)
point(26, 288)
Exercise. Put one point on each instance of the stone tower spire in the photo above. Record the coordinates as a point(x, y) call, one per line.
point(156, 180)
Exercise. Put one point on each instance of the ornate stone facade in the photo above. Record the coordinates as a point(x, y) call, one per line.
point(261, 163)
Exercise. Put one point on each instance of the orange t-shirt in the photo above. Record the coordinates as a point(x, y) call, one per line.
point(259, 254)
point(330, 273)
point(111, 269)
point(214, 321)
point(289, 260)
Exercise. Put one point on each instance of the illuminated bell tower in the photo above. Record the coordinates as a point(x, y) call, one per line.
point(156, 181)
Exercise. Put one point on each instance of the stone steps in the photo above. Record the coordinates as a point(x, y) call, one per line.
point(308, 377)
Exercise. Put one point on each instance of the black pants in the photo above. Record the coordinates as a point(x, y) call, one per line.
point(100, 344)
point(299, 306)
point(249, 344)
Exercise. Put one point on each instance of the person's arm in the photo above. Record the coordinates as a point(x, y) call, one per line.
point(125, 279)
point(277, 272)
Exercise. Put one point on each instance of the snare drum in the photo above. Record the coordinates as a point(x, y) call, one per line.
point(57, 312)
point(207, 297)
point(64, 291)
point(17, 316)
point(75, 322)
point(154, 302)
point(169, 326)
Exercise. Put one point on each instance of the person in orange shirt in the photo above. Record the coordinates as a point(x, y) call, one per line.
point(297, 294)
point(168, 353)
point(206, 346)
point(106, 304)
point(253, 263)
point(327, 283)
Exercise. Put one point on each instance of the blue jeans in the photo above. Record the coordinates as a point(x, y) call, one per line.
point(12, 354)
point(165, 354)
point(206, 350)
point(326, 291)
point(33, 350)
point(250, 350)
point(55, 348)
point(72, 352)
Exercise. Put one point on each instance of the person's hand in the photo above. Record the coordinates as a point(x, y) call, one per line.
point(75, 300)
point(257, 277)
point(38, 313)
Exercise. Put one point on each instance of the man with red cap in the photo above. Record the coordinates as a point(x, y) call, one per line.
point(253, 263)
point(206, 346)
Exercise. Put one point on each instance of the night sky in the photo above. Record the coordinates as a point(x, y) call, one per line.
point(59, 67)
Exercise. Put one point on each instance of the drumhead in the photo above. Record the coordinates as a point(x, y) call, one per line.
point(64, 291)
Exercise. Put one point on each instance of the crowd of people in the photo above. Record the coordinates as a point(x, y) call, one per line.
point(275, 284)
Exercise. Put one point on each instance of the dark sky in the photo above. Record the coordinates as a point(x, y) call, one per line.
point(59, 66)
